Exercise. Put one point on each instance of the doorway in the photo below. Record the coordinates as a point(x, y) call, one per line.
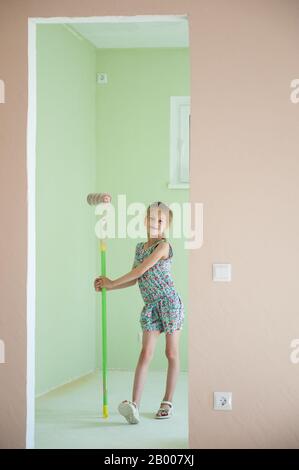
point(99, 115)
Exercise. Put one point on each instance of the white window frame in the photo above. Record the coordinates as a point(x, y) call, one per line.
point(175, 162)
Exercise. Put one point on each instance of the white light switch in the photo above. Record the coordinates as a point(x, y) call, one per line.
point(222, 272)
point(223, 401)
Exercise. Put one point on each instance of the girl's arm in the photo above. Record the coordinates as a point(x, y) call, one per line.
point(98, 284)
point(161, 250)
point(123, 285)
point(98, 287)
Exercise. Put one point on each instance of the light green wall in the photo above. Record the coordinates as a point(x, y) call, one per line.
point(65, 173)
point(93, 138)
point(133, 119)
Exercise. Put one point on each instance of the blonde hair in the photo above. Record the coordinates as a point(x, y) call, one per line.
point(160, 205)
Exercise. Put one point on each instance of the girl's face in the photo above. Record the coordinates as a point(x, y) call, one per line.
point(156, 223)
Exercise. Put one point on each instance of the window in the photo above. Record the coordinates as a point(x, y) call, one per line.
point(179, 142)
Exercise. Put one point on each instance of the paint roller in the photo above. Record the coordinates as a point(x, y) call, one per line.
point(94, 199)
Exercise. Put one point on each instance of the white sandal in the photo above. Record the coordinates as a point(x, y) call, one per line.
point(168, 411)
point(129, 410)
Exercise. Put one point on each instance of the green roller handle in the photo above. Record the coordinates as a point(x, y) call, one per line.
point(103, 248)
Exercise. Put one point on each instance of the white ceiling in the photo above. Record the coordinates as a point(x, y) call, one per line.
point(130, 33)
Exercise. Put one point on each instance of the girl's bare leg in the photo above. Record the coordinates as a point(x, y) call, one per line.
point(148, 347)
point(172, 354)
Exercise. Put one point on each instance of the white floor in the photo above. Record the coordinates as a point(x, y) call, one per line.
point(71, 416)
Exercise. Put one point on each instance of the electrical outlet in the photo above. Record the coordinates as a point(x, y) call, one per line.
point(223, 401)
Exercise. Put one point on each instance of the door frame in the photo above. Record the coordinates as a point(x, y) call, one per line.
point(31, 188)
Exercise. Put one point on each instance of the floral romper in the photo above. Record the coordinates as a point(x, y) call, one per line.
point(163, 309)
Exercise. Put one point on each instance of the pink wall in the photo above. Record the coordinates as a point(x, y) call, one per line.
point(244, 169)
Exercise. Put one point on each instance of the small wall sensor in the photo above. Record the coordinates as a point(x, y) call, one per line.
point(102, 78)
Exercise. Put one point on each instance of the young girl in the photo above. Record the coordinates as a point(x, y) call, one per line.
point(163, 309)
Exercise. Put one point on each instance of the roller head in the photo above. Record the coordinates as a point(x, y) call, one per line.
point(94, 199)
